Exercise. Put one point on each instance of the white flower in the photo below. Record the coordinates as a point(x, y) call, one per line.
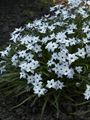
point(37, 22)
point(61, 69)
point(2, 69)
point(85, 40)
point(87, 92)
point(51, 46)
point(74, 3)
point(87, 50)
point(42, 29)
point(55, 56)
point(73, 16)
point(45, 39)
point(29, 67)
point(57, 70)
point(78, 69)
point(30, 79)
point(65, 14)
point(14, 60)
point(8, 48)
point(59, 85)
point(62, 56)
point(14, 37)
point(88, 2)
point(70, 73)
point(72, 26)
point(39, 91)
point(54, 84)
point(34, 64)
point(72, 58)
point(69, 31)
point(38, 84)
point(22, 53)
point(23, 74)
point(51, 83)
point(52, 36)
point(81, 53)
point(87, 95)
point(30, 46)
point(88, 35)
point(81, 11)
point(29, 25)
point(26, 39)
point(51, 28)
point(18, 30)
point(65, 70)
point(57, 12)
point(25, 66)
point(86, 29)
point(37, 77)
point(50, 63)
point(72, 41)
point(4, 53)
point(37, 48)
point(60, 36)
point(29, 57)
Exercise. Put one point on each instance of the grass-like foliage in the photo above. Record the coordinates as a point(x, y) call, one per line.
point(50, 58)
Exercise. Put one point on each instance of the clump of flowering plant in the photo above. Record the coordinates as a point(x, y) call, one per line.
point(51, 56)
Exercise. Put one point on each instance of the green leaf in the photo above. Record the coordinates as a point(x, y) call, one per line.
point(43, 108)
point(24, 101)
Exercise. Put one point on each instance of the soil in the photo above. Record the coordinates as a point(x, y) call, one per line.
point(14, 13)
point(27, 112)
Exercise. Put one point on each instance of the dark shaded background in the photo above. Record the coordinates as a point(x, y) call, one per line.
point(16, 13)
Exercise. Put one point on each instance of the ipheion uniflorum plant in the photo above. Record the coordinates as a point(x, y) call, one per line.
point(53, 51)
